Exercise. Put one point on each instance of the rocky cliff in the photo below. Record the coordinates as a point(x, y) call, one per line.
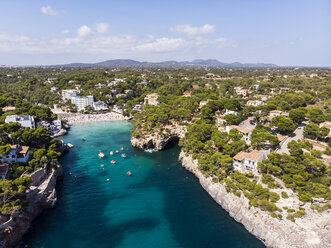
point(312, 230)
point(41, 195)
point(159, 140)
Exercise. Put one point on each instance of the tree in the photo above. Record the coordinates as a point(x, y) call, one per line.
point(297, 115)
point(283, 124)
point(313, 131)
point(232, 119)
point(316, 115)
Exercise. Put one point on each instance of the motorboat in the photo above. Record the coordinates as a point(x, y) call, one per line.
point(123, 155)
point(101, 154)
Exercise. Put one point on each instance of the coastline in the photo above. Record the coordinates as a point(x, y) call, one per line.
point(313, 230)
point(74, 118)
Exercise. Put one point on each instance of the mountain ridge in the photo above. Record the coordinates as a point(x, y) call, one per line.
point(171, 64)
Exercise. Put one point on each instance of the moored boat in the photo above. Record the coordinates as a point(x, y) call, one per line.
point(101, 154)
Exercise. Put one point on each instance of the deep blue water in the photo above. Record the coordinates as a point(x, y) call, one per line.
point(160, 205)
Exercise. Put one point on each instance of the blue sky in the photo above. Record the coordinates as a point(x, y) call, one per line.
point(52, 32)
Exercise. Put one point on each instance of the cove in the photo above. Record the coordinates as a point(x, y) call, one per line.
point(159, 205)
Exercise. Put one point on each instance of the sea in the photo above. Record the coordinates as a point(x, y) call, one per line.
point(159, 205)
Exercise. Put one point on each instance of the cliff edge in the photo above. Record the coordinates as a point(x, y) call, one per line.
point(311, 231)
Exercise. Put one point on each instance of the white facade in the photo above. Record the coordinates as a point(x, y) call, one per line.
point(230, 112)
point(17, 154)
point(255, 103)
point(24, 120)
point(67, 94)
point(249, 160)
point(246, 132)
point(82, 101)
point(152, 99)
point(99, 105)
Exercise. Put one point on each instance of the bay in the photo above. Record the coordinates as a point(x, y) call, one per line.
point(159, 205)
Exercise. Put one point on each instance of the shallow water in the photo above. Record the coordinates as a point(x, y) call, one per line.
point(159, 205)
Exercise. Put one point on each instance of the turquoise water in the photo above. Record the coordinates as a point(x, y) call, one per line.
point(160, 205)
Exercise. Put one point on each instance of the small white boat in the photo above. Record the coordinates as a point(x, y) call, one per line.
point(70, 145)
point(116, 151)
point(123, 155)
point(101, 155)
point(111, 153)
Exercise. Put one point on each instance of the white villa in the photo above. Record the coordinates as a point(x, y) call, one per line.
point(254, 103)
point(17, 153)
point(230, 112)
point(24, 120)
point(99, 105)
point(248, 160)
point(68, 94)
point(246, 132)
point(151, 99)
point(274, 113)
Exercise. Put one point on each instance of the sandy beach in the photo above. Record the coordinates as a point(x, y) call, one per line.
point(83, 118)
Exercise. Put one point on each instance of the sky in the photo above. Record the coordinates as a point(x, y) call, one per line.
point(48, 32)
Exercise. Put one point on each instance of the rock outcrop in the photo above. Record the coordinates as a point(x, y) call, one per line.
point(159, 140)
point(41, 195)
point(312, 230)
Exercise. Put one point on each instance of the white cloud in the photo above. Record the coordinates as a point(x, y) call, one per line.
point(48, 10)
point(102, 28)
point(192, 31)
point(84, 31)
point(163, 45)
point(65, 31)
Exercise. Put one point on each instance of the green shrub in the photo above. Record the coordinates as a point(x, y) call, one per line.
point(273, 196)
point(290, 210)
point(284, 195)
point(265, 205)
point(299, 213)
point(237, 193)
point(290, 217)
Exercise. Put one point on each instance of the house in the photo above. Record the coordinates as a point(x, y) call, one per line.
point(230, 112)
point(116, 81)
point(51, 128)
point(8, 109)
point(54, 89)
point(50, 80)
point(219, 118)
point(137, 107)
point(274, 113)
point(100, 86)
point(249, 160)
point(24, 120)
point(121, 95)
point(203, 103)
point(118, 109)
point(186, 93)
point(151, 99)
point(99, 105)
point(254, 103)
point(284, 89)
point(4, 171)
point(128, 92)
point(82, 101)
point(256, 86)
point(68, 94)
point(195, 86)
point(262, 97)
point(17, 153)
point(241, 92)
point(246, 132)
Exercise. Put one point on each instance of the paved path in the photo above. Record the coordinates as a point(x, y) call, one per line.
point(296, 135)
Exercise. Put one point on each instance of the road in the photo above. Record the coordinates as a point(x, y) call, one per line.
point(296, 135)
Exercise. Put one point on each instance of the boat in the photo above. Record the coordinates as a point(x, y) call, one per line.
point(83, 139)
point(70, 145)
point(129, 173)
point(116, 151)
point(123, 155)
point(122, 149)
point(101, 155)
point(113, 161)
point(111, 153)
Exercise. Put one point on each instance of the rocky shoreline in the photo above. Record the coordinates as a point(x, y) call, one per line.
point(40, 195)
point(312, 230)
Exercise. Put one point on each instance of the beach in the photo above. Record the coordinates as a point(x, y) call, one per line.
point(83, 118)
